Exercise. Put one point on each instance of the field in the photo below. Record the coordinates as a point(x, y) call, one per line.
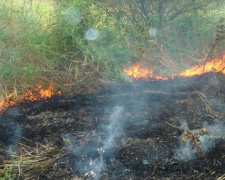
point(70, 110)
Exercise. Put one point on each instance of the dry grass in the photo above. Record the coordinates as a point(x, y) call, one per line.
point(208, 108)
point(27, 159)
point(193, 137)
point(221, 177)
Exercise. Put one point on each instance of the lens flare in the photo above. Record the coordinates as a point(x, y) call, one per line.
point(72, 16)
point(145, 161)
point(152, 32)
point(91, 34)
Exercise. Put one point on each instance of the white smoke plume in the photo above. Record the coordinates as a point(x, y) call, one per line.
point(113, 132)
point(215, 132)
point(115, 129)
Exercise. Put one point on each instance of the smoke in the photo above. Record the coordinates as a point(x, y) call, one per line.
point(215, 133)
point(115, 129)
point(10, 130)
point(93, 156)
point(185, 152)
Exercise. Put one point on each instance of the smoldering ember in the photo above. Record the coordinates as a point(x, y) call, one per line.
point(164, 129)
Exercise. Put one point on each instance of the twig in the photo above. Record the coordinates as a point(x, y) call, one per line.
point(194, 141)
point(172, 125)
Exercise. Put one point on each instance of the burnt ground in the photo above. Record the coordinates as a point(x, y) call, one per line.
point(131, 131)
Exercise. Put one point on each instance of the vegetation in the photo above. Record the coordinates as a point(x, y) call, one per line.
point(27, 160)
point(80, 45)
point(7, 173)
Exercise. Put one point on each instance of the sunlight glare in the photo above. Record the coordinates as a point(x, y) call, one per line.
point(72, 16)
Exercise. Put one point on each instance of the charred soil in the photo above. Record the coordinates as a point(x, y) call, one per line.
point(74, 137)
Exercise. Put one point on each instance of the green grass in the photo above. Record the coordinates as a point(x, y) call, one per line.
point(7, 173)
point(40, 45)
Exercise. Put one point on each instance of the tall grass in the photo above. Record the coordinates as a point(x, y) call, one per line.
point(182, 38)
point(41, 41)
point(40, 44)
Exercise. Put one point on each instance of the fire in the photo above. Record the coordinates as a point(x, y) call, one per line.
point(8, 102)
point(40, 93)
point(215, 65)
point(137, 72)
point(30, 95)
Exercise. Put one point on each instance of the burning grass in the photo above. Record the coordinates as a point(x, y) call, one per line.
point(39, 46)
point(136, 71)
point(32, 94)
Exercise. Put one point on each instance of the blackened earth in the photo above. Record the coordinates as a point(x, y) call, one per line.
point(145, 138)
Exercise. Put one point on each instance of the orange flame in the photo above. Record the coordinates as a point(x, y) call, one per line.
point(30, 95)
point(215, 65)
point(39, 93)
point(8, 102)
point(137, 72)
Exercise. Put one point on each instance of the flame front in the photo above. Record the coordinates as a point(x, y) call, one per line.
point(39, 93)
point(8, 102)
point(215, 65)
point(31, 95)
point(137, 72)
